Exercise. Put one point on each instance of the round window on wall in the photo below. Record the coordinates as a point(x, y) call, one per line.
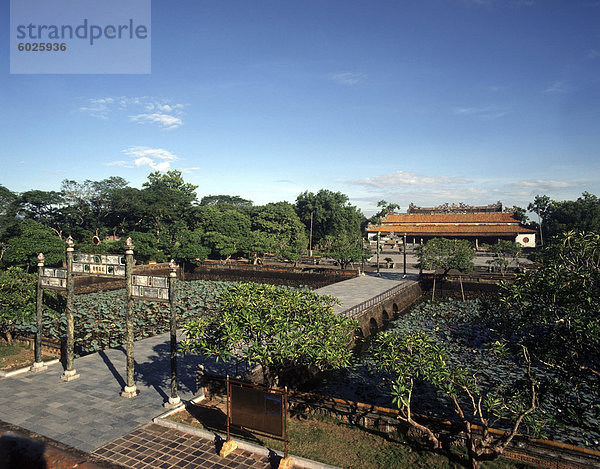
point(525, 240)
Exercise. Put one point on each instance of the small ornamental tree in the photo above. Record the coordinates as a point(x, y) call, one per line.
point(17, 299)
point(446, 254)
point(505, 253)
point(284, 331)
point(415, 357)
point(188, 249)
point(345, 247)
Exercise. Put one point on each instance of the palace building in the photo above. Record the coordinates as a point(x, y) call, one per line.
point(481, 225)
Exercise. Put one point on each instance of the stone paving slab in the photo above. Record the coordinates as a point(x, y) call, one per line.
point(356, 290)
point(89, 412)
point(154, 446)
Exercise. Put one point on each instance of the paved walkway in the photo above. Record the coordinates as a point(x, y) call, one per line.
point(89, 412)
point(359, 289)
point(155, 446)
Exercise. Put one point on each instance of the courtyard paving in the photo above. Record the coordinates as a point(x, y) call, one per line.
point(89, 412)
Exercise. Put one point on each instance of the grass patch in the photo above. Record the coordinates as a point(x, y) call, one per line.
point(17, 355)
point(333, 442)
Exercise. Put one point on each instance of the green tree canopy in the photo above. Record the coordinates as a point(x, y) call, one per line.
point(7, 201)
point(167, 198)
point(555, 308)
point(17, 299)
point(446, 254)
point(233, 200)
point(277, 227)
point(30, 239)
point(331, 214)
point(188, 248)
point(345, 248)
point(505, 253)
point(582, 214)
point(285, 331)
point(413, 357)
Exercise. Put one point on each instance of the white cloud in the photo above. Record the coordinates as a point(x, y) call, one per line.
point(156, 158)
point(118, 163)
point(143, 109)
point(143, 161)
point(404, 187)
point(407, 179)
point(190, 170)
point(556, 88)
point(544, 185)
point(483, 113)
point(347, 78)
point(166, 121)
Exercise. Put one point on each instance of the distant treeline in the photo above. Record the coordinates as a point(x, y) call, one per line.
point(166, 221)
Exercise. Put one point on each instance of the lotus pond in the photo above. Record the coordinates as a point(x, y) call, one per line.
point(100, 317)
point(569, 414)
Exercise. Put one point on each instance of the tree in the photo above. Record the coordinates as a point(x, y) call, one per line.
point(329, 212)
point(519, 213)
point(95, 207)
point(17, 299)
point(7, 201)
point(233, 200)
point(277, 227)
point(167, 198)
point(505, 253)
point(146, 248)
point(446, 254)
point(540, 205)
point(285, 331)
point(555, 308)
point(41, 206)
point(226, 229)
point(345, 248)
point(414, 357)
point(188, 248)
point(30, 239)
point(127, 211)
point(386, 208)
point(582, 214)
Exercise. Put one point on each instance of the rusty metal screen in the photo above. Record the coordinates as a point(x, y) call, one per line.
point(257, 408)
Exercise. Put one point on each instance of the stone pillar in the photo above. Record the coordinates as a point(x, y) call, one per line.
point(38, 364)
point(174, 400)
point(404, 245)
point(378, 253)
point(70, 374)
point(129, 390)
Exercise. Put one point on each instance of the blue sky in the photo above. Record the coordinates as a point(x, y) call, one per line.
point(425, 101)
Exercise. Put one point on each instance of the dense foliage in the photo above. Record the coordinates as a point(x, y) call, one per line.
point(166, 221)
point(286, 332)
point(416, 357)
point(328, 213)
point(17, 300)
point(554, 309)
point(557, 217)
point(446, 254)
point(505, 253)
point(470, 335)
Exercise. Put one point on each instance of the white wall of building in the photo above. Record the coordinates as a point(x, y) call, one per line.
point(526, 240)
